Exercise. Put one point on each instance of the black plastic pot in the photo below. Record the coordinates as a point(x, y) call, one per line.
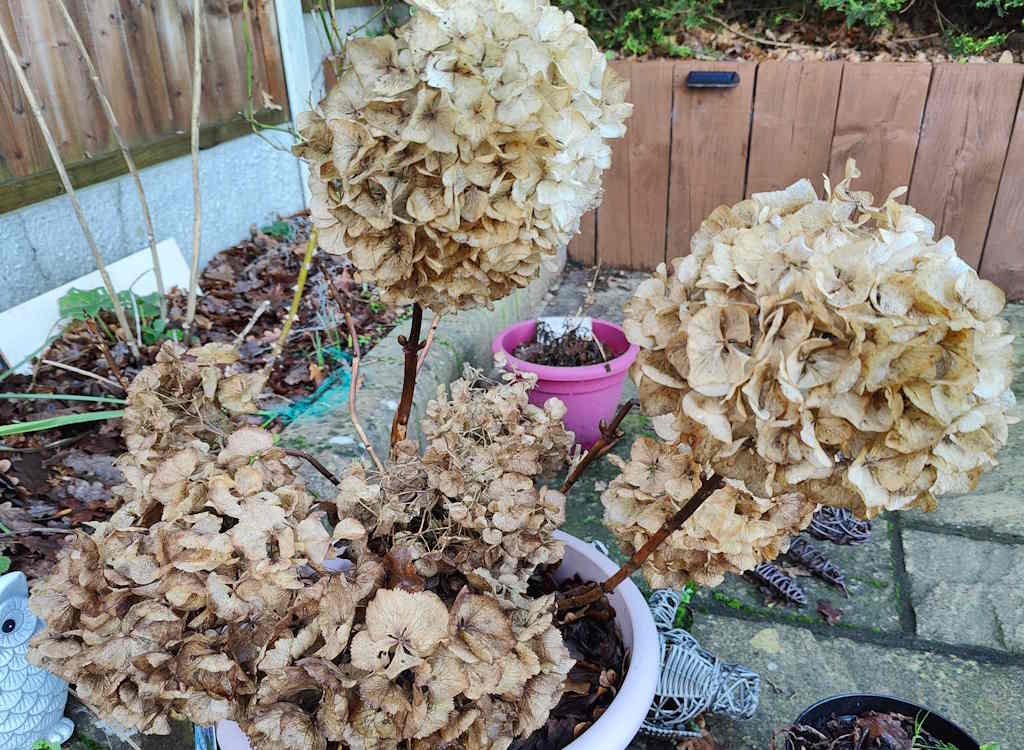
point(855, 704)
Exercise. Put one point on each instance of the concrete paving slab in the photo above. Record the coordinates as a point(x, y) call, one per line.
point(799, 667)
point(967, 591)
point(873, 603)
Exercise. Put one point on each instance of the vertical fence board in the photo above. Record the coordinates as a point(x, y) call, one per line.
point(966, 132)
point(583, 246)
point(710, 136)
point(1003, 258)
point(650, 144)
point(878, 123)
point(794, 109)
point(22, 145)
point(613, 225)
point(142, 50)
point(139, 37)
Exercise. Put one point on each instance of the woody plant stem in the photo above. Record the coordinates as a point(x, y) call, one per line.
point(411, 346)
point(588, 593)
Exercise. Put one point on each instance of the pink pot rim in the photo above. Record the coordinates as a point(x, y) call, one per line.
point(612, 367)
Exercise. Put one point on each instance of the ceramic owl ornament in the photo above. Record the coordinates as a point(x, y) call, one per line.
point(31, 699)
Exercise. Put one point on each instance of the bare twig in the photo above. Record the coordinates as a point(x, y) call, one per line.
point(589, 593)
point(197, 80)
point(430, 340)
point(83, 373)
point(609, 434)
point(353, 387)
point(353, 390)
point(314, 462)
point(116, 128)
point(411, 346)
point(114, 369)
point(252, 321)
point(293, 310)
point(66, 181)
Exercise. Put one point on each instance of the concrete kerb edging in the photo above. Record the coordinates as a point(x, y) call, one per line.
point(460, 338)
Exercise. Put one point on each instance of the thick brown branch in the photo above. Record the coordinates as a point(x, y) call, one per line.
point(710, 485)
point(314, 462)
point(592, 592)
point(411, 347)
point(609, 434)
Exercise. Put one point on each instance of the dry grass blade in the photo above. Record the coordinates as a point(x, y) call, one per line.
point(197, 78)
point(69, 189)
point(132, 169)
point(80, 371)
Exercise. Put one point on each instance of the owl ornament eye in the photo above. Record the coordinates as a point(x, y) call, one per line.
point(17, 623)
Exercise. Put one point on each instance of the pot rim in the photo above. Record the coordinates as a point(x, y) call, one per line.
point(607, 369)
point(627, 709)
point(897, 700)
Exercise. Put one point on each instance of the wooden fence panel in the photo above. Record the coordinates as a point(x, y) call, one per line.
point(794, 109)
point(142, 51)
point(878, 122)
point(1003, 258)
point(650, 144)
point(613, 239)
point(583, 246)
point(964, 139)
point(710, 136)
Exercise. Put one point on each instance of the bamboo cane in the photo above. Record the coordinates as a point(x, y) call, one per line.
point(51, 145)
point(197, 79)
point(132, 169)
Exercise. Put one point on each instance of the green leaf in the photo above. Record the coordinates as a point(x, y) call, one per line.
point(79, 304)
point(5, 564)
point(19, 428)
point(279, 230)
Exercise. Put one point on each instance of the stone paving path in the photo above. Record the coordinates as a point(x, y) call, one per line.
point(936, 606)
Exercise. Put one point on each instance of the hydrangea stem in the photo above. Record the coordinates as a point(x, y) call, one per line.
point(609, 434)
point(591, 592)
point(411, 347)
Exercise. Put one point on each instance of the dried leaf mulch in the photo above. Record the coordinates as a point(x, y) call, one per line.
point(869, 731)
point(56, 480)
point(594, 641)
point(568, 349)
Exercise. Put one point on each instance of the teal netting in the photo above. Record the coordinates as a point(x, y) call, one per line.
point(331, 394)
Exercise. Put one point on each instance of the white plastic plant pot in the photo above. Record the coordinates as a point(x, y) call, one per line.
point(621, 721)
point(619, 724)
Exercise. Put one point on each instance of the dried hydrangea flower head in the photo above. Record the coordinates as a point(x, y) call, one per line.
point(825, 348)
point(472, 502)
point(450, 158)
point(216, 591)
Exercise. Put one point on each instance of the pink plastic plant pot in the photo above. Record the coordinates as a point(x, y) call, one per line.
point(590, 393)
point(621, 721)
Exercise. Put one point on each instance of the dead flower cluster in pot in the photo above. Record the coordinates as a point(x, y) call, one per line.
point(809, 351)
point(221, 589)
point(451, 157)
point(472, 503)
